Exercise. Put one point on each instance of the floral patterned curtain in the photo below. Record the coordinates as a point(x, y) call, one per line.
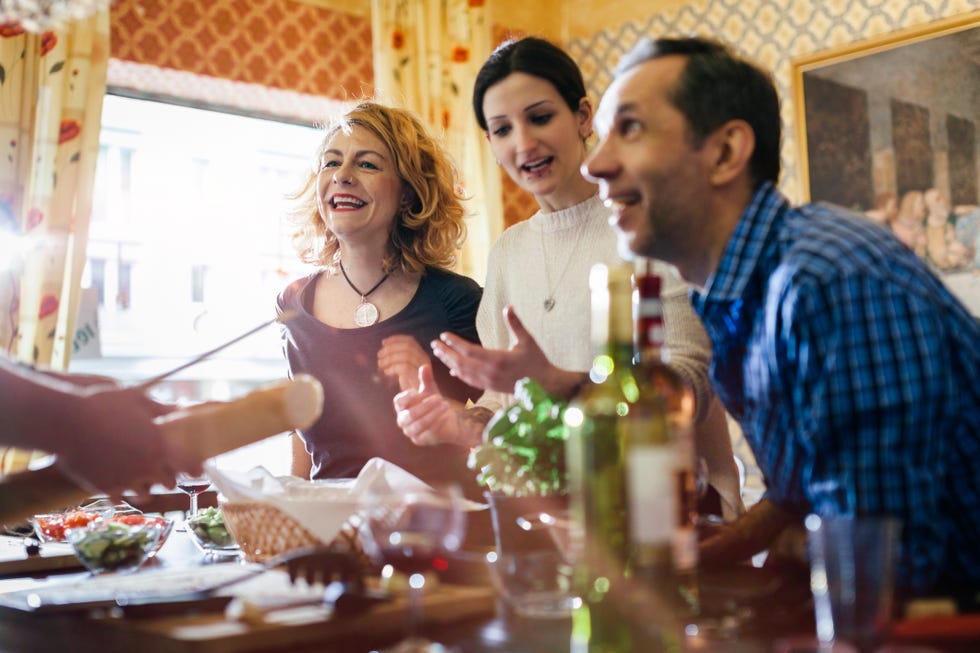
point(426, 56)
point(51, 90)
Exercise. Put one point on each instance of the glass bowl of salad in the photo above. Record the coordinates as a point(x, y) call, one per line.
point(106, 545)
point(208, 531)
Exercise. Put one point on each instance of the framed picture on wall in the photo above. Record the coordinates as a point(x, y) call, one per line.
point(891, 128)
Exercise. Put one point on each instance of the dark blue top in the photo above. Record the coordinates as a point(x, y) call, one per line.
point(855, 375)
point(358, 420)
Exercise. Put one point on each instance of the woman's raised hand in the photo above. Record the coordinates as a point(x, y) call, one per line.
point(500, 370)
point(400, 358)
point(493, 369)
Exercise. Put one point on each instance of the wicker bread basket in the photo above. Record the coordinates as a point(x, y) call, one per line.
point(263, 532)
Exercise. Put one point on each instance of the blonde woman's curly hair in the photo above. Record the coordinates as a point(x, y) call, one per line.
point(429, 232)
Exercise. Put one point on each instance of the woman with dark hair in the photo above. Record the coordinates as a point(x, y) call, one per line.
point(530, 99)
point(383, 217)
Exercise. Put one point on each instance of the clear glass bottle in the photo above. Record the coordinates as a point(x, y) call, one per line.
point(662, 486)
point(601, 420)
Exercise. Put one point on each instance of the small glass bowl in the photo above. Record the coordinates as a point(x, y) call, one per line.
point(105, 545)
point(209, 533)
point(51, 527)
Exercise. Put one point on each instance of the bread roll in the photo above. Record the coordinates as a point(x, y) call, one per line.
point(216, 427)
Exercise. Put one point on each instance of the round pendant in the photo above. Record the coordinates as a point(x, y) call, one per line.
point(549, 304)
point(365, 314)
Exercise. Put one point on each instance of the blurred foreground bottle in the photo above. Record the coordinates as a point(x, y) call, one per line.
point(662, 485)
point(601, 422)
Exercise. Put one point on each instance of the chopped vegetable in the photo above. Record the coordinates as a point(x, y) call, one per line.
point(523, 453)
point(208, 526)
point(138, 519)
point(52, 527)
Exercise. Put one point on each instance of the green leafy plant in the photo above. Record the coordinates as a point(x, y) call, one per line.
point(523, 450)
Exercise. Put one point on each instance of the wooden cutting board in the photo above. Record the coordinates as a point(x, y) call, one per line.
point(14, 560)
point(296, 630)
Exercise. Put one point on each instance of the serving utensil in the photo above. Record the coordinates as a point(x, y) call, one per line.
point(152, 381)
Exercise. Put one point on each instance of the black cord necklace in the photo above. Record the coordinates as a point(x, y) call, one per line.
point(366, 313)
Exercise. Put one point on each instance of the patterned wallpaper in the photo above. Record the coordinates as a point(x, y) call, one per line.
point(314, 51)
point(281, 44)
point(771, 32)
point(518, 204)
point(271, 57)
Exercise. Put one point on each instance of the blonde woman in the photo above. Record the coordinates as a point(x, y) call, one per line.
point(382, 217)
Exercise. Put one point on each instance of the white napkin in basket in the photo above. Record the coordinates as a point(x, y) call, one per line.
point(322, 507)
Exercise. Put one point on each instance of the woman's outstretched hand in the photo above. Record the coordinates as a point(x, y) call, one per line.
point(500, 370)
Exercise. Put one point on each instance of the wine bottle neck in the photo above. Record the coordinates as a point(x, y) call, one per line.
point(650, 332)
point(612, 310)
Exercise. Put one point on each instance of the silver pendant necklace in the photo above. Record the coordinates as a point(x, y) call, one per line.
point(549, 300)
point(366, 313)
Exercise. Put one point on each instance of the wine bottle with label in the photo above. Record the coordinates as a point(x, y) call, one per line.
point(660, 461)
point(601, 421)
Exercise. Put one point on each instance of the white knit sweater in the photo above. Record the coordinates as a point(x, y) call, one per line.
point(550, 255)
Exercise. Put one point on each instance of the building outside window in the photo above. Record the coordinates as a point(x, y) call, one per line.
point(188, 247)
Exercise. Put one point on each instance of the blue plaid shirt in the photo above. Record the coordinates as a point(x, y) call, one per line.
point(855, 375)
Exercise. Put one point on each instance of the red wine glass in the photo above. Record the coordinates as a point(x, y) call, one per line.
point(192, 486)
point(412, 533)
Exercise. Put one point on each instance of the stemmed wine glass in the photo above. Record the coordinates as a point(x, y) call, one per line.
point(410, 533)
point(192, 486)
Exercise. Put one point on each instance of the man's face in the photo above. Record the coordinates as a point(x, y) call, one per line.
point(648, 172)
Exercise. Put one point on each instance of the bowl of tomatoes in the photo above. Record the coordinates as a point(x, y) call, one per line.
point(52, 527)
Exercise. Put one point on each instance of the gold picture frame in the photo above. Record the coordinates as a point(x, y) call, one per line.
point(890, 127)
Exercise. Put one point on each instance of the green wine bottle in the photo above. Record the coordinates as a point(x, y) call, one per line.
point(600, 421)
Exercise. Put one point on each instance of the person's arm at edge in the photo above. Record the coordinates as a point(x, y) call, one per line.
point(687, 343)
point(748, 535)
point(26, 393)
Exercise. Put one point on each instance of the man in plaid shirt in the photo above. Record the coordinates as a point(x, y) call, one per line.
point(852, 370)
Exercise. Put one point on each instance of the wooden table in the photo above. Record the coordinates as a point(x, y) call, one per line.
point(307, 628)
point(468, 617)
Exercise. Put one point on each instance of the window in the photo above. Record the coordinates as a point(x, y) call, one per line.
point(198, 277)
point(188, 247)
point(124, 284)
point(96, 274)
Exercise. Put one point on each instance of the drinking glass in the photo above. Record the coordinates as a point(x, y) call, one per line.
point(532, 565)
point(852, 576)
point(411, 533)
point(192, 486)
